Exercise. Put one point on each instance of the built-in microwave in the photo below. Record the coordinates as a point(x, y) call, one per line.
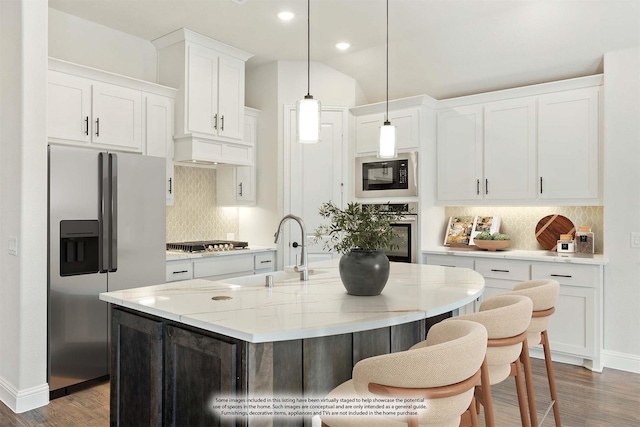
point(397, 177)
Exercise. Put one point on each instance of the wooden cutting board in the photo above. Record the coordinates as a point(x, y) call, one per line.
point(549, 229)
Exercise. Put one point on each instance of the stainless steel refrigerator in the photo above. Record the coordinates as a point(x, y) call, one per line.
point(106, 233)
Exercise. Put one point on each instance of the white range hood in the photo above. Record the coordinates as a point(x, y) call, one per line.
point(200, 151)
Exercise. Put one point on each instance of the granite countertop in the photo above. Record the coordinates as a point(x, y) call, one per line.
point(541, 255)
point(292, 309)
point(176, 255)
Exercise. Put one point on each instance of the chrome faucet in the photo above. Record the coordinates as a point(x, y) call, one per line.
point(303, 268)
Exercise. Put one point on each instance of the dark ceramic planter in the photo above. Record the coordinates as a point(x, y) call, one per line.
point(363, 272)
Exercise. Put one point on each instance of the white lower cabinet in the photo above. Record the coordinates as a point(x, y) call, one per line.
point(220, 267)
point(575, 333)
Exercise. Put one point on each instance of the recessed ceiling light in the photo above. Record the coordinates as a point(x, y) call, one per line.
point(286, 16)
point(343, 46)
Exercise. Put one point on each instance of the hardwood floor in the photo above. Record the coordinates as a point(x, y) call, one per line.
point(587, 399)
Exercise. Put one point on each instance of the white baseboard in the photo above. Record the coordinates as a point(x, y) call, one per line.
point(621, 361)
point(23, 400)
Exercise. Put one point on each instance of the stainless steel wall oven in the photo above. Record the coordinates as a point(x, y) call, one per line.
point(406, 243)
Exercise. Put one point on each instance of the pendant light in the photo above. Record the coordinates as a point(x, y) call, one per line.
point(308, 109)
point(387, 145)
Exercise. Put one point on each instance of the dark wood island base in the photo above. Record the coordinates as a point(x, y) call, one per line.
point(164, 373)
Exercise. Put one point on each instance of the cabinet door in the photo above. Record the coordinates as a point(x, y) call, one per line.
point(68, 107)
point(568, 144)
point(510, 150)
point(159, 135)
point(117, 117)
point(231, 98)
point(459, 145)
point(407, 123)
point(576, 321)
point(197, 369)
point(136, 370)
point(244, 184)
point(202, 91)
point(368, 133)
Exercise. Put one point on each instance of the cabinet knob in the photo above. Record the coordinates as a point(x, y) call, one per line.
point(240, 189)
point(98, 127)
point(295, 244)
point(222, 122)
point(215, 121)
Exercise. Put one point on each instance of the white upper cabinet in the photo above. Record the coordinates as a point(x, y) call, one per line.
point(210, 77)
point(159, 136)
point(231, 98)
point(236, 185)
point(406, 121)
point(568, 144)
point(202, 92)
point(85, 112)
point(510, 150)
point(68, 107)
point(117, 117)
point(93, 108)
point(531, 145)
point(459, 166)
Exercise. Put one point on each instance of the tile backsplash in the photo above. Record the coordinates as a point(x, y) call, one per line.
point(195, 215)
point(520, 222)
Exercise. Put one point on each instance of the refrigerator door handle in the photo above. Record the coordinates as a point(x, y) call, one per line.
point(113, 217)
point(103, 211)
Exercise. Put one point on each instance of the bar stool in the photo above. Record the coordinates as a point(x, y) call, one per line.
point(506, 318)
point(544, 294)
point(443, 372)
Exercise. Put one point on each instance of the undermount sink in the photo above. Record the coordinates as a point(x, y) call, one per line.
point(287, 275)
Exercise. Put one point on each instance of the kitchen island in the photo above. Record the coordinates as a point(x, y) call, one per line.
point(176, 346)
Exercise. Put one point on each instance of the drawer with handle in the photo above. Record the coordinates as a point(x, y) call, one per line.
point(449, 261)
point(587, 276)
point(503, 269)
point(264, 261)
point(179, 270)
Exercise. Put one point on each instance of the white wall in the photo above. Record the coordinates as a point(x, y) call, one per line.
point(23, 211)
point(84, 42)
point(622, 208)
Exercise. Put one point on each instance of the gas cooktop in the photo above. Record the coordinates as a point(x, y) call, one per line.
point(207, 246)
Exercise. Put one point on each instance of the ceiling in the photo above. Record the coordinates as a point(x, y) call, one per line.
point(442, 48)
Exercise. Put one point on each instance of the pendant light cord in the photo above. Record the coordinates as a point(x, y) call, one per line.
point(309, 47)
point(387, 116)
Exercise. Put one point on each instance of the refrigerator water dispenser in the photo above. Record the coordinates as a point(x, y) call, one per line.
point(79, 247)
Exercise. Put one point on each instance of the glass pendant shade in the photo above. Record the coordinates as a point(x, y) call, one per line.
point(308, 116)
point(387, 146)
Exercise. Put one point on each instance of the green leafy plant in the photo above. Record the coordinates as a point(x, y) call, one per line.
point(495, 236)
point(357, 226)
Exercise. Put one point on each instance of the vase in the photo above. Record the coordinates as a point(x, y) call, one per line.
point(364, 272)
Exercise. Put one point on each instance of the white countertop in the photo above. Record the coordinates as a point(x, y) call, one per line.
point(546, 256)
point(295, 310)
point(176, 255)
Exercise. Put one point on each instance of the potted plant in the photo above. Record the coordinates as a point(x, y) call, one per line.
point(359, 233)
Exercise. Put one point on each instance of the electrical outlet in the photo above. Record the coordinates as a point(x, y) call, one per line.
point(231, 236)
point(13, 245)
point(635, 240)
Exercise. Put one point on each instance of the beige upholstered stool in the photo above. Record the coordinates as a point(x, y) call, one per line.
point(544, 294)
point(506, 318)
point(443, 371)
